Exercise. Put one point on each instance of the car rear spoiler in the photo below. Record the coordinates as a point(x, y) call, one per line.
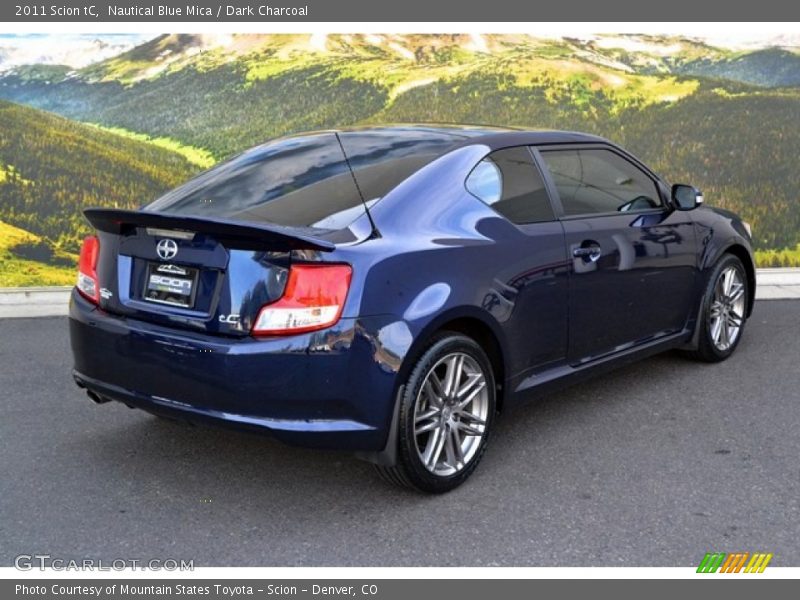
point(247, 235)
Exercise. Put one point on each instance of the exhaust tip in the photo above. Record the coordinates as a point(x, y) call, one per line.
point(97, 398)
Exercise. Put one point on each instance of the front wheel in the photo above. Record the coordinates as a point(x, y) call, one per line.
point(446, 415)
point(724, 310)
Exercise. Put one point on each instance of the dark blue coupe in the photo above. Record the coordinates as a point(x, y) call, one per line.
point(390, 290)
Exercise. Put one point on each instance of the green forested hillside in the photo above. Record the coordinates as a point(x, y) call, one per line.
point(216, 110)
point(697, 114)
point(29, 260)
point(51, 168)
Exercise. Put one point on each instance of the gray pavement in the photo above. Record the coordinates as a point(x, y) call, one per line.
point(654, 465)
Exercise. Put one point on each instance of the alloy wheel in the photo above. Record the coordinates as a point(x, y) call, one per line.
point(727, 308)
point(450, 414)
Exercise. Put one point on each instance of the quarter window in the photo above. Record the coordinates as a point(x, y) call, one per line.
point(599, 181)
point(509, 182)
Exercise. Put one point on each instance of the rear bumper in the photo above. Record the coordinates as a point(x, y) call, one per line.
point(327, 389)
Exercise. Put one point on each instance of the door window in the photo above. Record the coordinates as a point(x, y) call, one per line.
point(599, 181)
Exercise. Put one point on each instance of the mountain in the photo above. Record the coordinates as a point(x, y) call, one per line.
point(766, 67)
point(224, 93)
point(771, 67)
point(723, 120)
point(51, 168)
point(73, 50)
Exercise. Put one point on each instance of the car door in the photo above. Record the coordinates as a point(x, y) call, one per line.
point(531, 266)
point(633, 260)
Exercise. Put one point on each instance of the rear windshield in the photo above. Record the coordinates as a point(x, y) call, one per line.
point(302, 182)
point(306, 181)
point(381, 159)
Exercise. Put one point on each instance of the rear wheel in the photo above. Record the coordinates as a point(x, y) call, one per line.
point(446, 415)
point(724, 310)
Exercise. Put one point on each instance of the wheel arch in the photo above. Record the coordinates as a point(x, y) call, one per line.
point(468, 321)
point(742, 253)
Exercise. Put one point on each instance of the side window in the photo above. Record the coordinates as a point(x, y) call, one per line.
point(599, 181)
point(509, 182)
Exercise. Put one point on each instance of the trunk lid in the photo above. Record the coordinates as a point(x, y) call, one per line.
point(201, 274)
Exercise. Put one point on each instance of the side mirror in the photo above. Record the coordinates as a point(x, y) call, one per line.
point(686, 197)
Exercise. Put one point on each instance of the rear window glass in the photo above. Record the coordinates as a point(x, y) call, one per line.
point(383, 159)
point(301, 182)
point(306, 181)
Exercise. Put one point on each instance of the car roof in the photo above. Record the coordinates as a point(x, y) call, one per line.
point(466, 134)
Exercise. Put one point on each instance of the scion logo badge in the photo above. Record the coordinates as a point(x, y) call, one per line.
point(167, 249)
point(736, 562)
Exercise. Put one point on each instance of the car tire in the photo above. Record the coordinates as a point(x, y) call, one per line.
point(446, 415)
point(724, 311)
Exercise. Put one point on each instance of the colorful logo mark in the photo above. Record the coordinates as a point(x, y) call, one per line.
point(721, 562)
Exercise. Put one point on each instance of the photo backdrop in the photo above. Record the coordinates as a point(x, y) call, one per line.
point(127, 118)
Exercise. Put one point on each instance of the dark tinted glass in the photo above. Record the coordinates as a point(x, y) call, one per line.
point(302, 181)
point(510, 183)
point(382, 159)
point(599, 181)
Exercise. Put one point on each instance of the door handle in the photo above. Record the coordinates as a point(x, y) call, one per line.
point(590, 252)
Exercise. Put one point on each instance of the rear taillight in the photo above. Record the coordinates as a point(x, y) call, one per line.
point(87, 284)
point(313, 299)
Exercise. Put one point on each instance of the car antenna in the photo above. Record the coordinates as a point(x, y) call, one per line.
point(375, 232)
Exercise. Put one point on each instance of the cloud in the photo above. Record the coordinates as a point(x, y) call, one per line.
point(74, 50)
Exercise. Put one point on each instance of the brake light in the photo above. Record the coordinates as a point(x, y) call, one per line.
point(88, 285)
point(313, 299)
